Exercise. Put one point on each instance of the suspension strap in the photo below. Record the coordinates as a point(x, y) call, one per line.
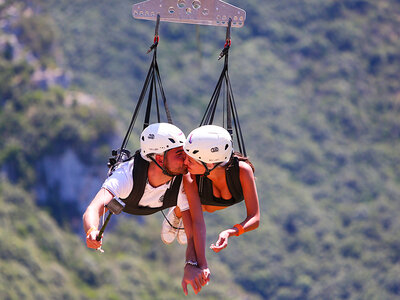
point(229, 106)
point(152, 87)
point(153, 80)
point(156, 36)
point(227, 40)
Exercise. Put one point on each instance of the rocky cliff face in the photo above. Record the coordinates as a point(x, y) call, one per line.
point(67, 178)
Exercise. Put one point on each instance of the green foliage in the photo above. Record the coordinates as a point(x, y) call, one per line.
point(316, 86)
point(37, 33)
point(25, 122)
point(39, 260)
point(14, 80)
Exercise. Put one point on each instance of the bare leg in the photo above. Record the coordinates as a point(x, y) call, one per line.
point(178, 212)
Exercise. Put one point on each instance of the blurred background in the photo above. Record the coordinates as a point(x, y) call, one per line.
point(316, 85)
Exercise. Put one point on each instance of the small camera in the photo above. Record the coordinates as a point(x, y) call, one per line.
point(115, 206)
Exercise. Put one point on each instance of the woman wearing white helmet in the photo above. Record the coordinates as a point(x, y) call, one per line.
point(221, 178)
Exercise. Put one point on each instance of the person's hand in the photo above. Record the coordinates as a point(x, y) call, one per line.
point(194, 276)
point(222, 242)
point(91, 241)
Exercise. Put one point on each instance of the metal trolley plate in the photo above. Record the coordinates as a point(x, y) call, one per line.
point(202, 12)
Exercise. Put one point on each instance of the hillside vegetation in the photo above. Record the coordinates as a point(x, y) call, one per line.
point(317, 89)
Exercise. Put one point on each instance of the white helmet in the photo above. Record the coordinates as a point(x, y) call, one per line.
point(160, 137)
point(209, 144)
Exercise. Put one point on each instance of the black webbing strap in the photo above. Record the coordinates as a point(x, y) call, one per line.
point(229, 106)
point(153, 81)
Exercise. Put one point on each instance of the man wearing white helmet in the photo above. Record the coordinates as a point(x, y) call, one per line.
point(221, 178)
point(150, 181)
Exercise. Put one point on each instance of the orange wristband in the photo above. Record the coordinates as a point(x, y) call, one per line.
point(239, 228)
point(90, 230)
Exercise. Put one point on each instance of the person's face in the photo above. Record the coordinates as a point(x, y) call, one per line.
point(194, 166)
point(174, 161)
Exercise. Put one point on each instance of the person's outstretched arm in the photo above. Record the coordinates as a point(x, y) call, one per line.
point(198, 225)
point(192, 274)
point(91, 217)
point(196, 233)
point(252, 207)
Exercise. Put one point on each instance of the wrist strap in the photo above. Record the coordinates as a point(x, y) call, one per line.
point(239, 228)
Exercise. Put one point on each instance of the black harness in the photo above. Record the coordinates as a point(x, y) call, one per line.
point(140, 169)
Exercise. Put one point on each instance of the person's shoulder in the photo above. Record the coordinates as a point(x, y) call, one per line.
point(245, 170)
point(126, 166)
point(244, 165)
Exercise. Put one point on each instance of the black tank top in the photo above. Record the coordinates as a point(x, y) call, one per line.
point(205, 185)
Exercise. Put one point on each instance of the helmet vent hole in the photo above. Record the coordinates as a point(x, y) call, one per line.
point(172, 140)
point(195, 151)
point(226, 146)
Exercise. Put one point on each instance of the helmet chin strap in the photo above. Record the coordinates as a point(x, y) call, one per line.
point(208, 171)
point(164, 170)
